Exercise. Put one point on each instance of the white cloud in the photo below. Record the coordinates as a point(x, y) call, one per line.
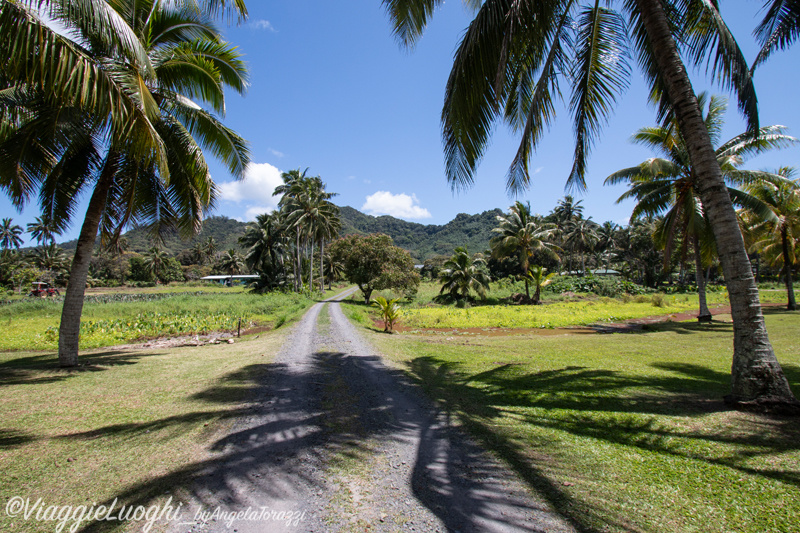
point(255, 190)
point(275, 152)
point(396, 205)
point(255, 210)
point(262, 24)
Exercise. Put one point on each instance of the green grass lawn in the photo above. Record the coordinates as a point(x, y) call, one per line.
point(112, 318)
point(124, 423)
point(623, 432)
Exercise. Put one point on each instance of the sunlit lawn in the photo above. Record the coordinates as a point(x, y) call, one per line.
point(623, 432)
point(125, 422)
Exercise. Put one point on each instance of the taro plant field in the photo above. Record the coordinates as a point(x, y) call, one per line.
point(109, 319)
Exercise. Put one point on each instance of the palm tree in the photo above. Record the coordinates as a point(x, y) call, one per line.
point(509, 67)
point(667, 185)
point(778, 235)
point(607, 235)
point(232, 262)
point(462, 274)
point(520, 234)
point(42, 230)
point(209, 249)
point(567, 210)
point(307, 208)
point(50, 257)
point(390, 311)
point(580, 237)
point(326, 228)
point(536, 274)
point(294, 184)
point(137, 149)
point(266, 243)
point(155, 259)
point(10, 234)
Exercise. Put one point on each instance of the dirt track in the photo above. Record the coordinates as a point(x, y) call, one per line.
point(344, 443)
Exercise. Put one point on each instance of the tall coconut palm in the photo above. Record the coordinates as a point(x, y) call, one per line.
point(326, 228)
point(567, 210)
point(10, 234)
point(580, 237)
point(510, 64)
point(134, 139)
point(667, 185)
point(294, 184)
point(778, 236)
point(462, 274)
point(520, 234)
point(42, 230)
point(307, 208)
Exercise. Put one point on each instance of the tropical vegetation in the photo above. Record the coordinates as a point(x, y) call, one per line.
point(126, 129)
point(508, 69)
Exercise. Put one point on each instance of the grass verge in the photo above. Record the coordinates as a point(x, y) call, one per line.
point(623, 432)
point(125, 424)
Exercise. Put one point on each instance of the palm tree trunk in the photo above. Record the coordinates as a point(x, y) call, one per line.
point(298, 267)
point(69, 331)
point(704, 315)
point(756, 376)
point(322, 265)
point(787, 269)
point(311, 267)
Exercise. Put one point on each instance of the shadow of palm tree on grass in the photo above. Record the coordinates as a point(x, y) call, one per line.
point(607, 405)
point(43, 368)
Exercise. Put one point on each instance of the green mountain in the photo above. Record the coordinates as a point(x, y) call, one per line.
point(225, 231)
point(426, 240)
point(421, 240)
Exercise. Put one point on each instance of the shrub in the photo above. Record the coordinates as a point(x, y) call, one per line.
point(658, 300)
point(611, 287)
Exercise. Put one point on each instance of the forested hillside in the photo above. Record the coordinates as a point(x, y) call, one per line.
point(421, 240)
point(424, 241)
point(225, 231)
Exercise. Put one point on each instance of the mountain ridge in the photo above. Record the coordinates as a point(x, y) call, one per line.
point(422, 241)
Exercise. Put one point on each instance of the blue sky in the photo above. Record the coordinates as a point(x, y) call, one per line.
point(331, 90)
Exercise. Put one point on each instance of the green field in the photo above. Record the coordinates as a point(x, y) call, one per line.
point(623, 432)
point(556, 311)
point(130, 316)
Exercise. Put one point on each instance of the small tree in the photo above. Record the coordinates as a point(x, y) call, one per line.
point(462, 274)
point(536, 275)
point(373, 263)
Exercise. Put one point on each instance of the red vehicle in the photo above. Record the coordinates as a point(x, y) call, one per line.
point(41, 289)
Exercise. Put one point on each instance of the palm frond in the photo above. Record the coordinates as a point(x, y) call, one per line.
point(601, 72)
point(779, 28)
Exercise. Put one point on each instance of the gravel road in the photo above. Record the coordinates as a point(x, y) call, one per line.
point(341, 442)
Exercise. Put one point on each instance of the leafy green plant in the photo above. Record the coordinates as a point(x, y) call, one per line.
point(390, 311)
